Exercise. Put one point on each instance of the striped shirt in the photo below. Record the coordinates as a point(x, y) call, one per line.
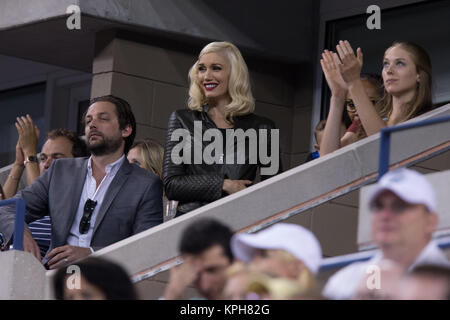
point(41, 230)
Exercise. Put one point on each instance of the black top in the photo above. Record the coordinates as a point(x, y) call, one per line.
point(195, 185)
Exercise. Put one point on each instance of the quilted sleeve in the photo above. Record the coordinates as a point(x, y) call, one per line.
point(181, 186)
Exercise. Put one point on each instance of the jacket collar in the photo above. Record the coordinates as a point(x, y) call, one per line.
point(238, 120)
point(114, 188)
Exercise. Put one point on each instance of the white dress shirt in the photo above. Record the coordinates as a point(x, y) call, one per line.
point(90, 191)
point(344, 283)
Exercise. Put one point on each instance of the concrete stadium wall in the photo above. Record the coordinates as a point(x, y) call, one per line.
point(22, 277)
point(195, 19)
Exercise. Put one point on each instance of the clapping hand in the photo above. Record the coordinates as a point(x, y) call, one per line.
point(330, 66)
point(28, 134)
point(20, 158)
point(351, 65)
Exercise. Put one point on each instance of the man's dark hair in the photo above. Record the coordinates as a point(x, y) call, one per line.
point(203, 234)
point(79, 148)
point(124, 115)
point(108, 277)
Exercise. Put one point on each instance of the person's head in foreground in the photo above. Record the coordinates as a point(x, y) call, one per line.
point(205, 245)
point(403, 209)
point(425, 282)
point(246, 283)
point(282, 250)
point(403, 217)
point(93, 279)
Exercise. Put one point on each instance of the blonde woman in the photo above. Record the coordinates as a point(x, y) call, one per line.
point(220, 98)
point(148, 154)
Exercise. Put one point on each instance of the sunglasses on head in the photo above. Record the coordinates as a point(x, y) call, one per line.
point(85, 222)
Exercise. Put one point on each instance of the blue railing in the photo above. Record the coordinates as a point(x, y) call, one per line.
point(385, 140)
point(19, 223)
point(338, 262)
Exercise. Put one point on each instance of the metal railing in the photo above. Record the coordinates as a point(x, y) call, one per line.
point(19, 223)
point(343, 261)
point(385, 140)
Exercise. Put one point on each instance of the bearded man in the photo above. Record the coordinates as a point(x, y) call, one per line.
point(93, 202)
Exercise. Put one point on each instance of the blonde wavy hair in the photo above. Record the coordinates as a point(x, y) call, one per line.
point(239, 88)
point(305, 279)
point(152, 154)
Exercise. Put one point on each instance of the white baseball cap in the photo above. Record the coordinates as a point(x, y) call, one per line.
point(409, 185)
point(296, 240)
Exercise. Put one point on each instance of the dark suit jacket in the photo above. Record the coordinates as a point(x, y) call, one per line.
point(133, 202)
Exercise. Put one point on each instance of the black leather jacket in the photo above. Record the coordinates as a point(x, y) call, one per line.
point(195, 185)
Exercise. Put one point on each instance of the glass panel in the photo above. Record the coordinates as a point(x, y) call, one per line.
point(19, 102)
point(82, 108)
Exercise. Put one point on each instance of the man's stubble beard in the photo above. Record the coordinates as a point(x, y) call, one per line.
point(104, 147)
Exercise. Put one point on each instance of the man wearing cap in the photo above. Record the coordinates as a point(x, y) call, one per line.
point(282, 250)
point(403, 208)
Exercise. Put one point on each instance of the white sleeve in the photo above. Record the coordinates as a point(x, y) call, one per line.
point(344, 283)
